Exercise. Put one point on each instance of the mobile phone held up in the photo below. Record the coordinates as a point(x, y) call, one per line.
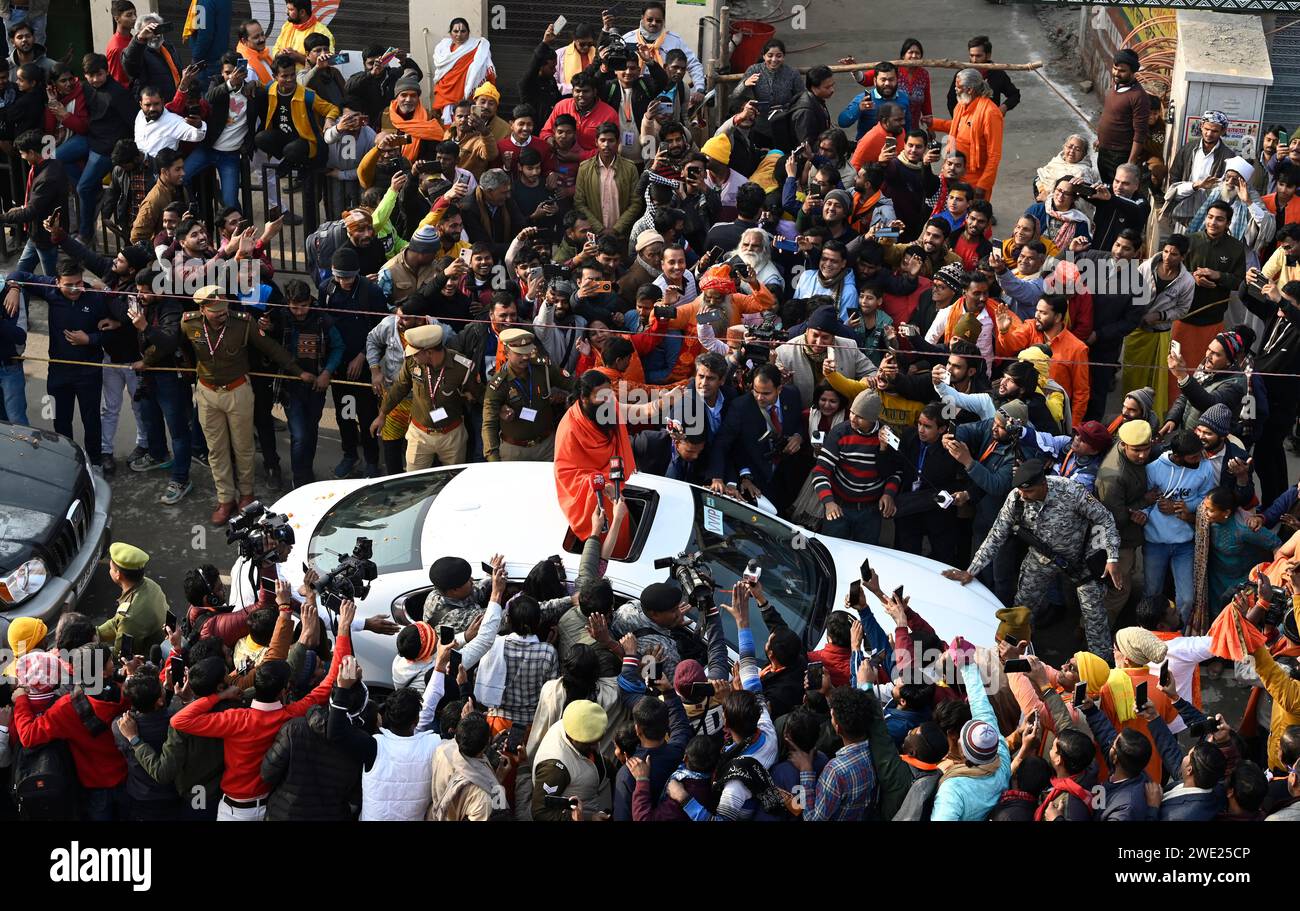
point(1080, 693)
point(1016, 666)
point(446, 635)
point(515, 739)
point(814, 675)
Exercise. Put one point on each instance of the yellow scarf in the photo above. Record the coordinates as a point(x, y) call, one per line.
point(191, 27)
point(654, 45)
point(575, 63)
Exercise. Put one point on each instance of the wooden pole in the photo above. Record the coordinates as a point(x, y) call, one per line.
point(933, 64)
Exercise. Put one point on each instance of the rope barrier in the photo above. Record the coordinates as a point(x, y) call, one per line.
point(273, 376)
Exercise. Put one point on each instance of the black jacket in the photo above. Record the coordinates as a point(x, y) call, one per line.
point(653, 450)
point(49, 192)
point(744, 441)
point(140, 785)
point(1114, 316)
point(25, 112)
point(653, 80)
point(494, 232)
point(218, 99)
point(112, 116)
point(312, 778)
point(537, 89)
point(809, 118)
point(365, 307)
point(146, 67)
point(372, 94)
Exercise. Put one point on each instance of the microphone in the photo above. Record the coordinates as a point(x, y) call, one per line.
point(616, 476)
point(598, 487)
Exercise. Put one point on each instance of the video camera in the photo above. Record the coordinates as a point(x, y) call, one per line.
point(259, 533)
point(689, 573)
point(761, 338)
point(618, 51)
point(350, 580)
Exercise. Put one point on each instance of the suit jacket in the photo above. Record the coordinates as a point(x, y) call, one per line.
point(743, 445)
point(1181, 170)
point(654, 454)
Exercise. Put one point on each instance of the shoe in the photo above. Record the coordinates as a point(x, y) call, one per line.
point(245, 500)
point(373, 470)
point(107, 466)
point(136, 453)
point(147, 462)
point(274, 477)
point(221, 515)
point(175, 493)
point(345, 467)
point(201, 458)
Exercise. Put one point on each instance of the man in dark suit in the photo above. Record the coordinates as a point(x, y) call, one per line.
point(681, 456)
point(47, 192)
point(756, 448)
point(706, 400)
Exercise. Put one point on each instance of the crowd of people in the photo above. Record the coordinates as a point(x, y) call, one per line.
point(806, 307)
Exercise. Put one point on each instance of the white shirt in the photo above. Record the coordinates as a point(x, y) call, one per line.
point(694, 69)
point(1202, 167)
point(167, 132)
point(232, 137)
point(985, 344)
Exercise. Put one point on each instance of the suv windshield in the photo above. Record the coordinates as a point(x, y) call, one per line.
point(390, 513)
point(729, 533)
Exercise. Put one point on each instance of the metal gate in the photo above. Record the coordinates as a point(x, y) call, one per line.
point(1282, 104)
point(513, 46)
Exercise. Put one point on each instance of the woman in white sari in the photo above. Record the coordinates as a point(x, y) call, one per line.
point(460, 65)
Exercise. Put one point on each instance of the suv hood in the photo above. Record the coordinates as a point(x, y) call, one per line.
point(39, 471)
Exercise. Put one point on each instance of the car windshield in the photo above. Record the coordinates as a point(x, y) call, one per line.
point(729, 533)
point(390, 513)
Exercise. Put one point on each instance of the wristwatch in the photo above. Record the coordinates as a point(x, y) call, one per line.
point(135, 741)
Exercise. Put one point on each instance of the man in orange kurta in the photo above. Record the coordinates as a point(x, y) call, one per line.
point(592, 432)
point(1069, 355)
point(718, 291)
point(976, 130)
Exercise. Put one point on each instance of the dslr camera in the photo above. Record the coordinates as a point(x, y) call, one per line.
point(350, 580)
point(691, 575)
point(259, 533)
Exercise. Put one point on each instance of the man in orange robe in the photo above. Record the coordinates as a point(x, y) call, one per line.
point(976, 131)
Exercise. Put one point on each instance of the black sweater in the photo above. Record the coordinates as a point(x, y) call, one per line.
point(313, 779)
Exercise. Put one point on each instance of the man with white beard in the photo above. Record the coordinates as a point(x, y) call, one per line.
point(755, 253)
point(1251, 223)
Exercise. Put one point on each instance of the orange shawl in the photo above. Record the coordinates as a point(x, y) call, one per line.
point(581, 450)
point(419, 127)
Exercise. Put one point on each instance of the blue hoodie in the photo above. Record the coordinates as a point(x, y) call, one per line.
point(1176, 482)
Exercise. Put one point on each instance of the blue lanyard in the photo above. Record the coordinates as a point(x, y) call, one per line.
point(528, 392)
point(920, 463)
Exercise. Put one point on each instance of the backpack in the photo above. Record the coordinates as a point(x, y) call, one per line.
point(44, 785)
point(320, 246)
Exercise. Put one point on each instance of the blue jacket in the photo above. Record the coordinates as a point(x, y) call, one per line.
point(664, 760)
point(900, 721)
point(209, 42)
point(1183, 804)
point(971, 799)
point(809, 285)
point(84, 314)
point(867, 119)
point(1179, 483)
point(1124, 801)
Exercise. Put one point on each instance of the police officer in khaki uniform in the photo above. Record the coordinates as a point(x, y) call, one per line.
point(440, 383)
point(519, 408)
point(219, 343)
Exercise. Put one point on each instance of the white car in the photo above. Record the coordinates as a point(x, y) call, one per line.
point(474, 511)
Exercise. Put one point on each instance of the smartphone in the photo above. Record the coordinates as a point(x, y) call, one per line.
point(933, 145)
point(404, 138)
point(814, 675)
point(462, 177)
point(1164, 672)
point(700, 691)
point(559, 24)
point(193, 110)
point(126, 646)
point(534, 273)
point(465, 254)
point(1016, 666)
point(891, 142)
point(878, 659)
point(1080, 693)
point(898, 593)
point(864, 571)
point(788, 246)
point(1011, 641)
point(602, 287)
point(340, 58)
point(1175, 348)
point(487, 568)
point(663, 311)
point(267, 585)
point(1140, 695)
point(275, 213)
point(446, 635)
point(715, 254)
point(244, 224)
point(855, 592)
point(515, 739)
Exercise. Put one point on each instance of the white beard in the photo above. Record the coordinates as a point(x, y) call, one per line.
point(755, 261)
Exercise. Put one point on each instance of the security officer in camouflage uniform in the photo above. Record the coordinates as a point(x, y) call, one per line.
point(1062, 513)
point(519, 408)
point(220, 341)
point(441, 383)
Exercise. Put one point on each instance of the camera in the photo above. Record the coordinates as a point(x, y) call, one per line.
point(350, 580)
point(690, 574)
point(259, 533)
point(760, 339)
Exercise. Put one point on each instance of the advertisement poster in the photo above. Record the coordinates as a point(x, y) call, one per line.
point(1242, 136)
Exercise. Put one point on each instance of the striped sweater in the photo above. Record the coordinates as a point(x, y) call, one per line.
point(850, 468)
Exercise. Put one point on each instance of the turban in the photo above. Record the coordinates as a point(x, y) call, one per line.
point(1215, 117)
point(488, 89)
point(1140, 646)
point(718, 278)
point(428, 640)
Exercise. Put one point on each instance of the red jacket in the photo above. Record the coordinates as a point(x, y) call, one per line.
point(78, 119)
point(835, 661)
point(248, 733)
point(99, 762)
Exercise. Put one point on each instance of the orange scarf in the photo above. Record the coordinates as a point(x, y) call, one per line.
point(575, 63)
point(259, 62)
point(306, 26)
point(956, 312)
point(419, 127)
point(171, 64)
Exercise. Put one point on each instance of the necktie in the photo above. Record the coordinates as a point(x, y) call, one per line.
point(775, 414)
